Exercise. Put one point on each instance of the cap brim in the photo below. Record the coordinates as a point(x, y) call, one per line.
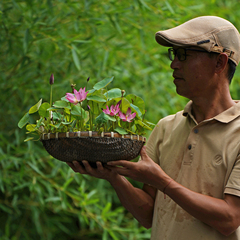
point(165, 41)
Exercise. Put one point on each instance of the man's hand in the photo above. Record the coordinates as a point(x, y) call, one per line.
point(99, 172)
point(139, 202)
point(145, 171)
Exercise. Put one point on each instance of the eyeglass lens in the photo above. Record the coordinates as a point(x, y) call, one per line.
point(180, 53)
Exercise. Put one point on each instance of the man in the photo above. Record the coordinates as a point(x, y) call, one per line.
point(191, 165)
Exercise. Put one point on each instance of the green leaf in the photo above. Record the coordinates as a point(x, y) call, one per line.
point(53, 199)
point(125, 104)
point(136, 109)
point(111, 118)
point(52, 109)
point(64, 99)
point(113, 93)
point(96, 98)
point(76, 59)
point(35, 168)
point(6, 209)
point(120, 130)
point(67, 183)
point(91, 91)
point(31, 127)
point(145, 5)
point(149, 123)
point(66, 123)
point(106, 208)
point(169, 7)
point(57, 125)
point(39, 122)
point(35, 108)
point(137, 101)
point(61, 104)
point(102, 118)
point(67, 110)
point(43, 110)
point(111, 233)
point(103, 83)
point(57, 116)
point(78, 111)
point(26, 40)
point(96, 107)
point(28, 139)
point(144, 125)
point(24, 120)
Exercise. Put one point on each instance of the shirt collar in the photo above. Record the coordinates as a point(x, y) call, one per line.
point(224, 117)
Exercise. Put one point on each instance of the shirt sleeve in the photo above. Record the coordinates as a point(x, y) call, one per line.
point(233, 183)
point(154, 143)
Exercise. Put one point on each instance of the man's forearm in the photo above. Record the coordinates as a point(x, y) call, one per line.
point(217, 213)
point(138, 202)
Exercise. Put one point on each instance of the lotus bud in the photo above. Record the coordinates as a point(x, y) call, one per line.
point(88, 79)
point(73, 87)
point(51, 80)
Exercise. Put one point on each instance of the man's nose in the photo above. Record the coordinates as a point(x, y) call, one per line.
point(175, 64)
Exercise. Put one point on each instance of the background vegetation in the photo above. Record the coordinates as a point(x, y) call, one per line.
point(41, 197)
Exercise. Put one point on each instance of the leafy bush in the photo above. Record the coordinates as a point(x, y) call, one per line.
point(40, 197)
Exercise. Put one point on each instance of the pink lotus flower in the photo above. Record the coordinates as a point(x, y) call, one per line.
point(77, 97)
point(128, 116)
point(113, 110)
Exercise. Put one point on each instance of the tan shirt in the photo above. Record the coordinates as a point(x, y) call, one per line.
point(203, 157)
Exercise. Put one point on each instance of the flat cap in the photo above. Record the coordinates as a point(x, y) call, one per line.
point(211, 33)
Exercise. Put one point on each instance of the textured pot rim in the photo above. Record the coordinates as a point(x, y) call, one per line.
point(84, 134)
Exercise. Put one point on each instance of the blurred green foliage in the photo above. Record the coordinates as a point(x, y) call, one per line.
point(41, 197)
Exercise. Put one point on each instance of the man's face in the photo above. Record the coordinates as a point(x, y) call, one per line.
point(193, 77)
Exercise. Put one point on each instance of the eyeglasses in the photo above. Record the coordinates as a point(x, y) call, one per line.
point(181, 53)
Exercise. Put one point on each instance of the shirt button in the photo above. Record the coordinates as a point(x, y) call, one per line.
point(195, 130)
point(189, 146)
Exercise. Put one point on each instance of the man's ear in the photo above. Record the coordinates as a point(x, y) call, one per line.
point(222, 61)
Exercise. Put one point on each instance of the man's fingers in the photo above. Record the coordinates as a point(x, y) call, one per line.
point(122, 163)
point(75, 165)
point(70, 164)
point(93, 171)
point(143, 152)
point(87, 166)
point(99, 166)
point(120, 170)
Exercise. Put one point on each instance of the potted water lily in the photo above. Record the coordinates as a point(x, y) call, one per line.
point(100, 113)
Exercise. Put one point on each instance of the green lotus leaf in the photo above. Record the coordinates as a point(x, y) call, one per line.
point(35, 108)
point(61, 104)
point(111, 118)
point(24, 120)
point(78, 111)
point(103, 83)
point(57, 115)
point(137, 101)
point(136, 109)
point(113, 93)
point(43, 110)
point(120, 130)
point(102, 118)
point(96, 98)
point(31, 127)
point(64, 99)
point(125, 104)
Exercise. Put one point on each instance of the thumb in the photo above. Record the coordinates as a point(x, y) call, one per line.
point(143, 153)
